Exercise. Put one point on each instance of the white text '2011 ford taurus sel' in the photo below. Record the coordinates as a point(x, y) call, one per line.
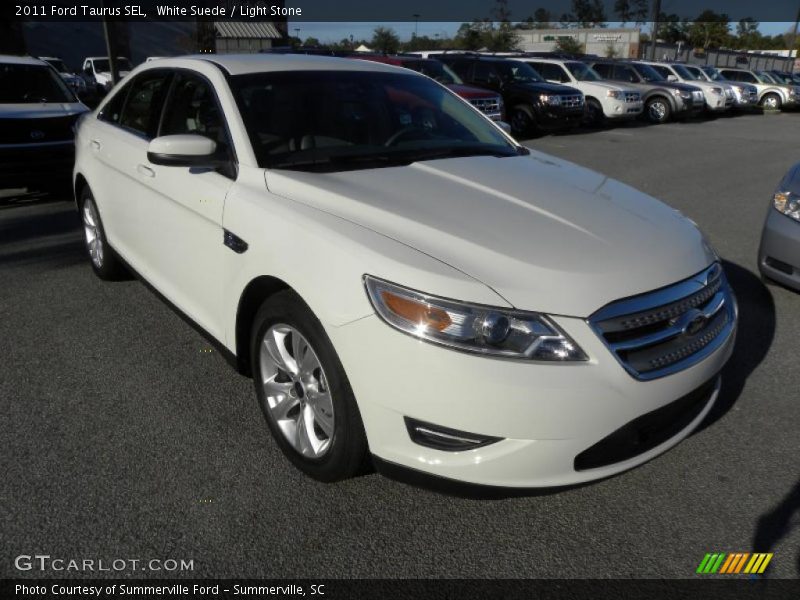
point(402, 280)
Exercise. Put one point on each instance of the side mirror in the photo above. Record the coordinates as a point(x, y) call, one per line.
point(504, 126)
point(184, 150)
point(672, 78)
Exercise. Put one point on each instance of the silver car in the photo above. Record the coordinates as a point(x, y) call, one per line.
point(779, 253)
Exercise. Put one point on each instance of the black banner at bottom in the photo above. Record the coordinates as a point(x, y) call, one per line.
point(379, 589)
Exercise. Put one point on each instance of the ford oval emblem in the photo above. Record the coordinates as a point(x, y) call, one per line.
point(37, 135)
point(691, 322)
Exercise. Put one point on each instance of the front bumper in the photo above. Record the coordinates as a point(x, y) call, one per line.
point(27, 165)
point(546, 414)
point(557, 117)
point(779, 252)
point(619, 109)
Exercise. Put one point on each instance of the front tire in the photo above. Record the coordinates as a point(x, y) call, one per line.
point(658, 110)
point(771, 101)
point(104, 262)
point(304, 392)
point(594, 113)
point(522, 121)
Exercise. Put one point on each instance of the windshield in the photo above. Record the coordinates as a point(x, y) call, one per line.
point(101, 65)
point(517, 71)
point(648, 73)
point(714, 74)
point(781, 77)
point(764, 77)
point(433, 69)
point(30, 84)
point(698, 73)
point(583, 72)
point(685, 73)
point(57, 64)
point(342, 120)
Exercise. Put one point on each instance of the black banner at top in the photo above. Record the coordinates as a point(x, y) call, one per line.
point(613, 11)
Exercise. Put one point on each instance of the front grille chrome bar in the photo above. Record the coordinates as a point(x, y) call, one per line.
point(662, 332)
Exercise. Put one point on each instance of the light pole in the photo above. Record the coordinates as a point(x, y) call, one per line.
point(297, 35)
point(416, 23)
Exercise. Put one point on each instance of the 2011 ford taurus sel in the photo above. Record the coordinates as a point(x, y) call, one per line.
point(402, 280)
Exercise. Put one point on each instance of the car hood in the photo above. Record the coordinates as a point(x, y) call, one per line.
point(544, 87)
point(42, 110)
point(545, 234)
point(677, 85)
point(607, 85)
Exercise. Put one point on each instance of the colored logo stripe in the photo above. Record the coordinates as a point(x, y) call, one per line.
point(734, 563)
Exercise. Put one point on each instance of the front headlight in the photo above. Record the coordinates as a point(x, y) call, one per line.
point(468, 327)
point(614, 94)
point(717, 91)
point(788, 204)
point(550, 99)
point(501, 332)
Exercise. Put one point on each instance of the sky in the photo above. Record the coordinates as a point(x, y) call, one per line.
point(333, 32)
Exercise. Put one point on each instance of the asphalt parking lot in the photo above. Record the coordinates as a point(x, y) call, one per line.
point(124, 436)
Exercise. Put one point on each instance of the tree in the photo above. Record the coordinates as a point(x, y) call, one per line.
point(586, 13)
point(631, 11)
point(470, 36)
point(312, 41)
point(569, 45)
point(710, 30)
point(611, 51)
point(384, 39)
point(540, 20)
point(671, 29)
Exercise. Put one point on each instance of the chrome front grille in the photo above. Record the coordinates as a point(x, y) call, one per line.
point(575, 101)
point(729, 93)
point(671, 329)
point(491, 107)
point(631, 97)
point(698, 97)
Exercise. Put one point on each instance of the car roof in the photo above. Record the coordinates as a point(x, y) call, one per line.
point(21, 60)
point(542, 59)
point(242, 64)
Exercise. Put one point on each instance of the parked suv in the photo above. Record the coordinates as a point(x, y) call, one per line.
point(403, 281)
point(745, 96)
point(770, 94)
point(719, 96)
point(604, 99)
point(663, 100)
point(489, 103)
point(531, 103)
point(37, 114)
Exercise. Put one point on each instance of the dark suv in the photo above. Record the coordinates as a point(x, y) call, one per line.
point(663, 99)
point(531, 103)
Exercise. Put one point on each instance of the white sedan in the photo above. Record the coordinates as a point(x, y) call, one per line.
point(403, 281)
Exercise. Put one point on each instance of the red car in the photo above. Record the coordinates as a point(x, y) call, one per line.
point(489, 103)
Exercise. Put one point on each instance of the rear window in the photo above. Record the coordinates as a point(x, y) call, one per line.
point(32, 84)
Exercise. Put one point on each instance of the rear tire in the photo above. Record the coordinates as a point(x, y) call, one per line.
point(104, 261)
point(304, 392)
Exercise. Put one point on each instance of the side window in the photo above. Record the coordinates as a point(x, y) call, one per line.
point(461, 67)
point(604, 70)
point(748, 77)
point(192, 108)
point(144, 102)
point(483, 72)
point(551, 72)
point(732, 75)
point(663, 71)
point(625, 74)
point(113, 108)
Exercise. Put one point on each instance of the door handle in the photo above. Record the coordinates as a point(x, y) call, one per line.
point(146, 171)
point(96, 145)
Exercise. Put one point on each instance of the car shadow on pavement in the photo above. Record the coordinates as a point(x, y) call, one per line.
point(754, 336)
point(774, 525)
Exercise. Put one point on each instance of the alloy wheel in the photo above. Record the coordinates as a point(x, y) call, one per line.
point(91, 230)
point(658, 111)
point(296, 390)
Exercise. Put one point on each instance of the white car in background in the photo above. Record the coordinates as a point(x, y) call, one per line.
point(744, 95)
point(719, 96)
point(604, 99)
point(97, 71)
point(402, 279)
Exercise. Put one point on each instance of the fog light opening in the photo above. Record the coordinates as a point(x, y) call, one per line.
point(444, 438)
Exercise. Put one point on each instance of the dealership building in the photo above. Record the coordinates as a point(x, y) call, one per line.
point(623, 42)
